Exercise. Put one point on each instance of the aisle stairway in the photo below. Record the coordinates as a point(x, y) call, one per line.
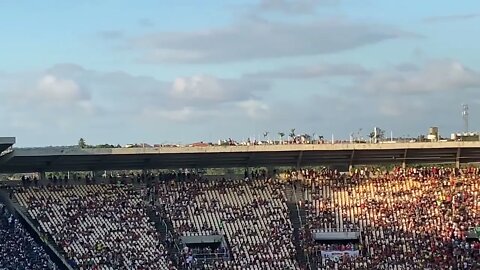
point(296, 223)
point(165, 231)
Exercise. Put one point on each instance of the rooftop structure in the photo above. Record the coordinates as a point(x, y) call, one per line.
point(6, 142)
point(77, 159)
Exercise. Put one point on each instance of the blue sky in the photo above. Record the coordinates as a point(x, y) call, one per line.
point(185, 71)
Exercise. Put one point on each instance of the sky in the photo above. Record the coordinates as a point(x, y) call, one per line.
point(164, 72)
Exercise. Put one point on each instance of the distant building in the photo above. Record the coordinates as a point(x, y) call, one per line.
point(199, 144)
point(433, 134)
point(138, 145)
point(465, 137)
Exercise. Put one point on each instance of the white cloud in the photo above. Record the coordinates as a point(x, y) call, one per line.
point(69, 97)
point(255, 109)
point(257, 39)
point(315, 71)
point(205, 89)
point(51, 89)
point(74, 102)
point(431, 77)
point(199, 87)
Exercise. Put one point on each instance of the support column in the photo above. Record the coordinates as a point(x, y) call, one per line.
point(299, 160)
point(457, 159)
point(404, 162)
point(350, 166)
point(42, 176)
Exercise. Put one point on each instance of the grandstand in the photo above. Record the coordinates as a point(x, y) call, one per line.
point(251, 214)
point(312, 218)
point(97, 225)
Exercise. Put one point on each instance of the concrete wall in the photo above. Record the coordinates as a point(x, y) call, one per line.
point(253, 148)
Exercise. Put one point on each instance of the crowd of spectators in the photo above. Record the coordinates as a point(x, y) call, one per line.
point(415, 218)
point(203, 258)
point(18, 249)
point(339, 247)
point(251, 214)
point(97, 226)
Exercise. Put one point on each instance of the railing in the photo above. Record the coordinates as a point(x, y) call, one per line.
point(257, 143)
point(210, 256)
point(301, 226)
point(336, 230)
point(50, 243)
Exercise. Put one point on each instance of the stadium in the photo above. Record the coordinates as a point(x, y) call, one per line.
point(239, 135)
point(293, 206)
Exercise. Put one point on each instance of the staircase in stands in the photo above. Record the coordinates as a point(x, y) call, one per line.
point(295, 214)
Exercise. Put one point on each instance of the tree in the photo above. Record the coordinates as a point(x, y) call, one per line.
point(281, 134)
point(265, 134)
point(292, 134)
point(106, 145)
point(82, 143)
point(380, 134)
point(307, 138)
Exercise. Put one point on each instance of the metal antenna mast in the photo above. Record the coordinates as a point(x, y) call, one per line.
point(465, 116)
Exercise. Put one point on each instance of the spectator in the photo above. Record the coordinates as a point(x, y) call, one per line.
point(18, 249)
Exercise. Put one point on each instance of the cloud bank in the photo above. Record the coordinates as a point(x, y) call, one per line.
point(261, 39)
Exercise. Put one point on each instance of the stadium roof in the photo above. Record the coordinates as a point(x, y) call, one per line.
point(6, 142)
point(76, 159)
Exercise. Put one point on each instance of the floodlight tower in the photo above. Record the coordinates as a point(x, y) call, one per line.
point(465, 116)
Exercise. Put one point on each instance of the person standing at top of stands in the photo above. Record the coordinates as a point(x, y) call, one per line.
point(11, 221)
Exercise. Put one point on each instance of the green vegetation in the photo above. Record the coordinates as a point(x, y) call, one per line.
point(83, 144)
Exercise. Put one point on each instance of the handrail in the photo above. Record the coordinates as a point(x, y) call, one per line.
point(301, 226)
point(339, 230)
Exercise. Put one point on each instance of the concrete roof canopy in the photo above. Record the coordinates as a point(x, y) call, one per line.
point(6, 142)
point(292, 155)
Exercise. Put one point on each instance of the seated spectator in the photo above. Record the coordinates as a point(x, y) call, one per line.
point(18, 249)
point(251, 214)
point(97, 226)
point(415, 218)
